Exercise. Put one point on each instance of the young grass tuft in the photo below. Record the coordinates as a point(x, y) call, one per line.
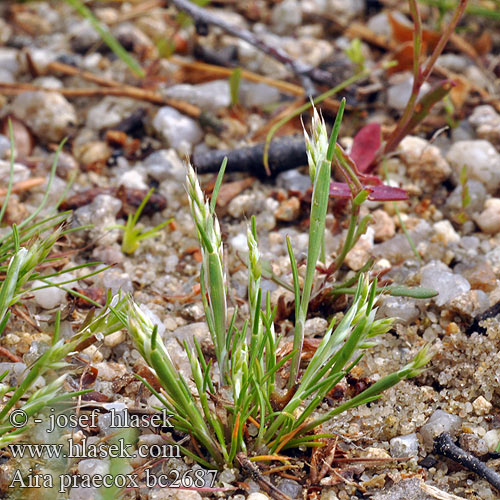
point(249, 391)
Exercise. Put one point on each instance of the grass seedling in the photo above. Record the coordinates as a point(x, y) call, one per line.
point(243, 388)
point(465, 196)
point(134, 234)
point(355, 53)
point(234, 86)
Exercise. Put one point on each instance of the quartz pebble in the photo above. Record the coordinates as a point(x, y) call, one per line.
point(480, 159)
point(286, 15)
point(384, 227)
point(165, 165)
point(289, 210)
point(489, 219)
point(48, 114)
point(403, 308)
point(399, 93)
point(477, 194)
point(257, 496)
point(209, 96)
point(290, 488)
point(470, 303)
point(486, 121)
point(178, 130)
point(474, 444)
point(439, 276)
point(360, 253)
point(293, 180)
point(492, 438)
point(439, 422)
point(257, 94)
point(445, 232)
point(315, 326)
point(93, 467)
point(109, 112)
point(424, 161)
point(481, 406)
point(406, 489)
point(51, 297)
point(478, 273)
point(404, 446)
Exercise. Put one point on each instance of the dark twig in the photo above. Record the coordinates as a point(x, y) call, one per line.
point(256, 475)
point(444, 445)
point(304, 71)
point(491, 312)
point(285, 153)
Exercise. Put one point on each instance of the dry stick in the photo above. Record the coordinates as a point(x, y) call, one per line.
point(24, 185)
point(125, 91)
point(304, 71)
point(285, 153)
point(256, 475)
point(444, 445)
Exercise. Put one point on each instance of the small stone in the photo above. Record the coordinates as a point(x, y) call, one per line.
point(255, 95)
point(257, 496)
point(474, 444)
point(165, 165)
point(489, 219)
point(92, 155)
point(360, 253)
point(48, 114)
point(244, 204)
point(439, 422)
point(478, 273)
point(399, 93)
point(406, 489)
point(470, 303)
point(384, 226)
point(438, 276)
point(315, 326)
point(110, 371)
point(289, 210)
point(134, 179)
point(445, 232)
point(210, 96)
point(424, 161)
point(109, 112)
point(403, 308)
point(290, 488)
point(404, 446)
point(286, 16)
point(293, 180)
point(179, 131)
point(481, 406)
point(374, 452)
point(486, 121)
point(477, 193)
point(492, 438)
point(51, 297)
point(480, 159)
point(114, 339)
point(93, 467)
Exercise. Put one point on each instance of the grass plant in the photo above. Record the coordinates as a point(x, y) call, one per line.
point(245, 387)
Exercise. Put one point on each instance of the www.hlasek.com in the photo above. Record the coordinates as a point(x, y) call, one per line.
point(77, 447)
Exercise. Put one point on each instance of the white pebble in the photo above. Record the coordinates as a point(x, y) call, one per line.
point(480, 159)
point(178, 130)
point(481, 406)
point(48, 114)
point(489, 219)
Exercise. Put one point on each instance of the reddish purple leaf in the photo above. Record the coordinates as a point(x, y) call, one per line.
point(377, 193)
point(365, 145)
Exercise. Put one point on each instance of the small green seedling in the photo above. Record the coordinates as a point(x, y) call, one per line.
point(465, 196)
point(355, 53)
point(133, 234)
point(234, 86)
